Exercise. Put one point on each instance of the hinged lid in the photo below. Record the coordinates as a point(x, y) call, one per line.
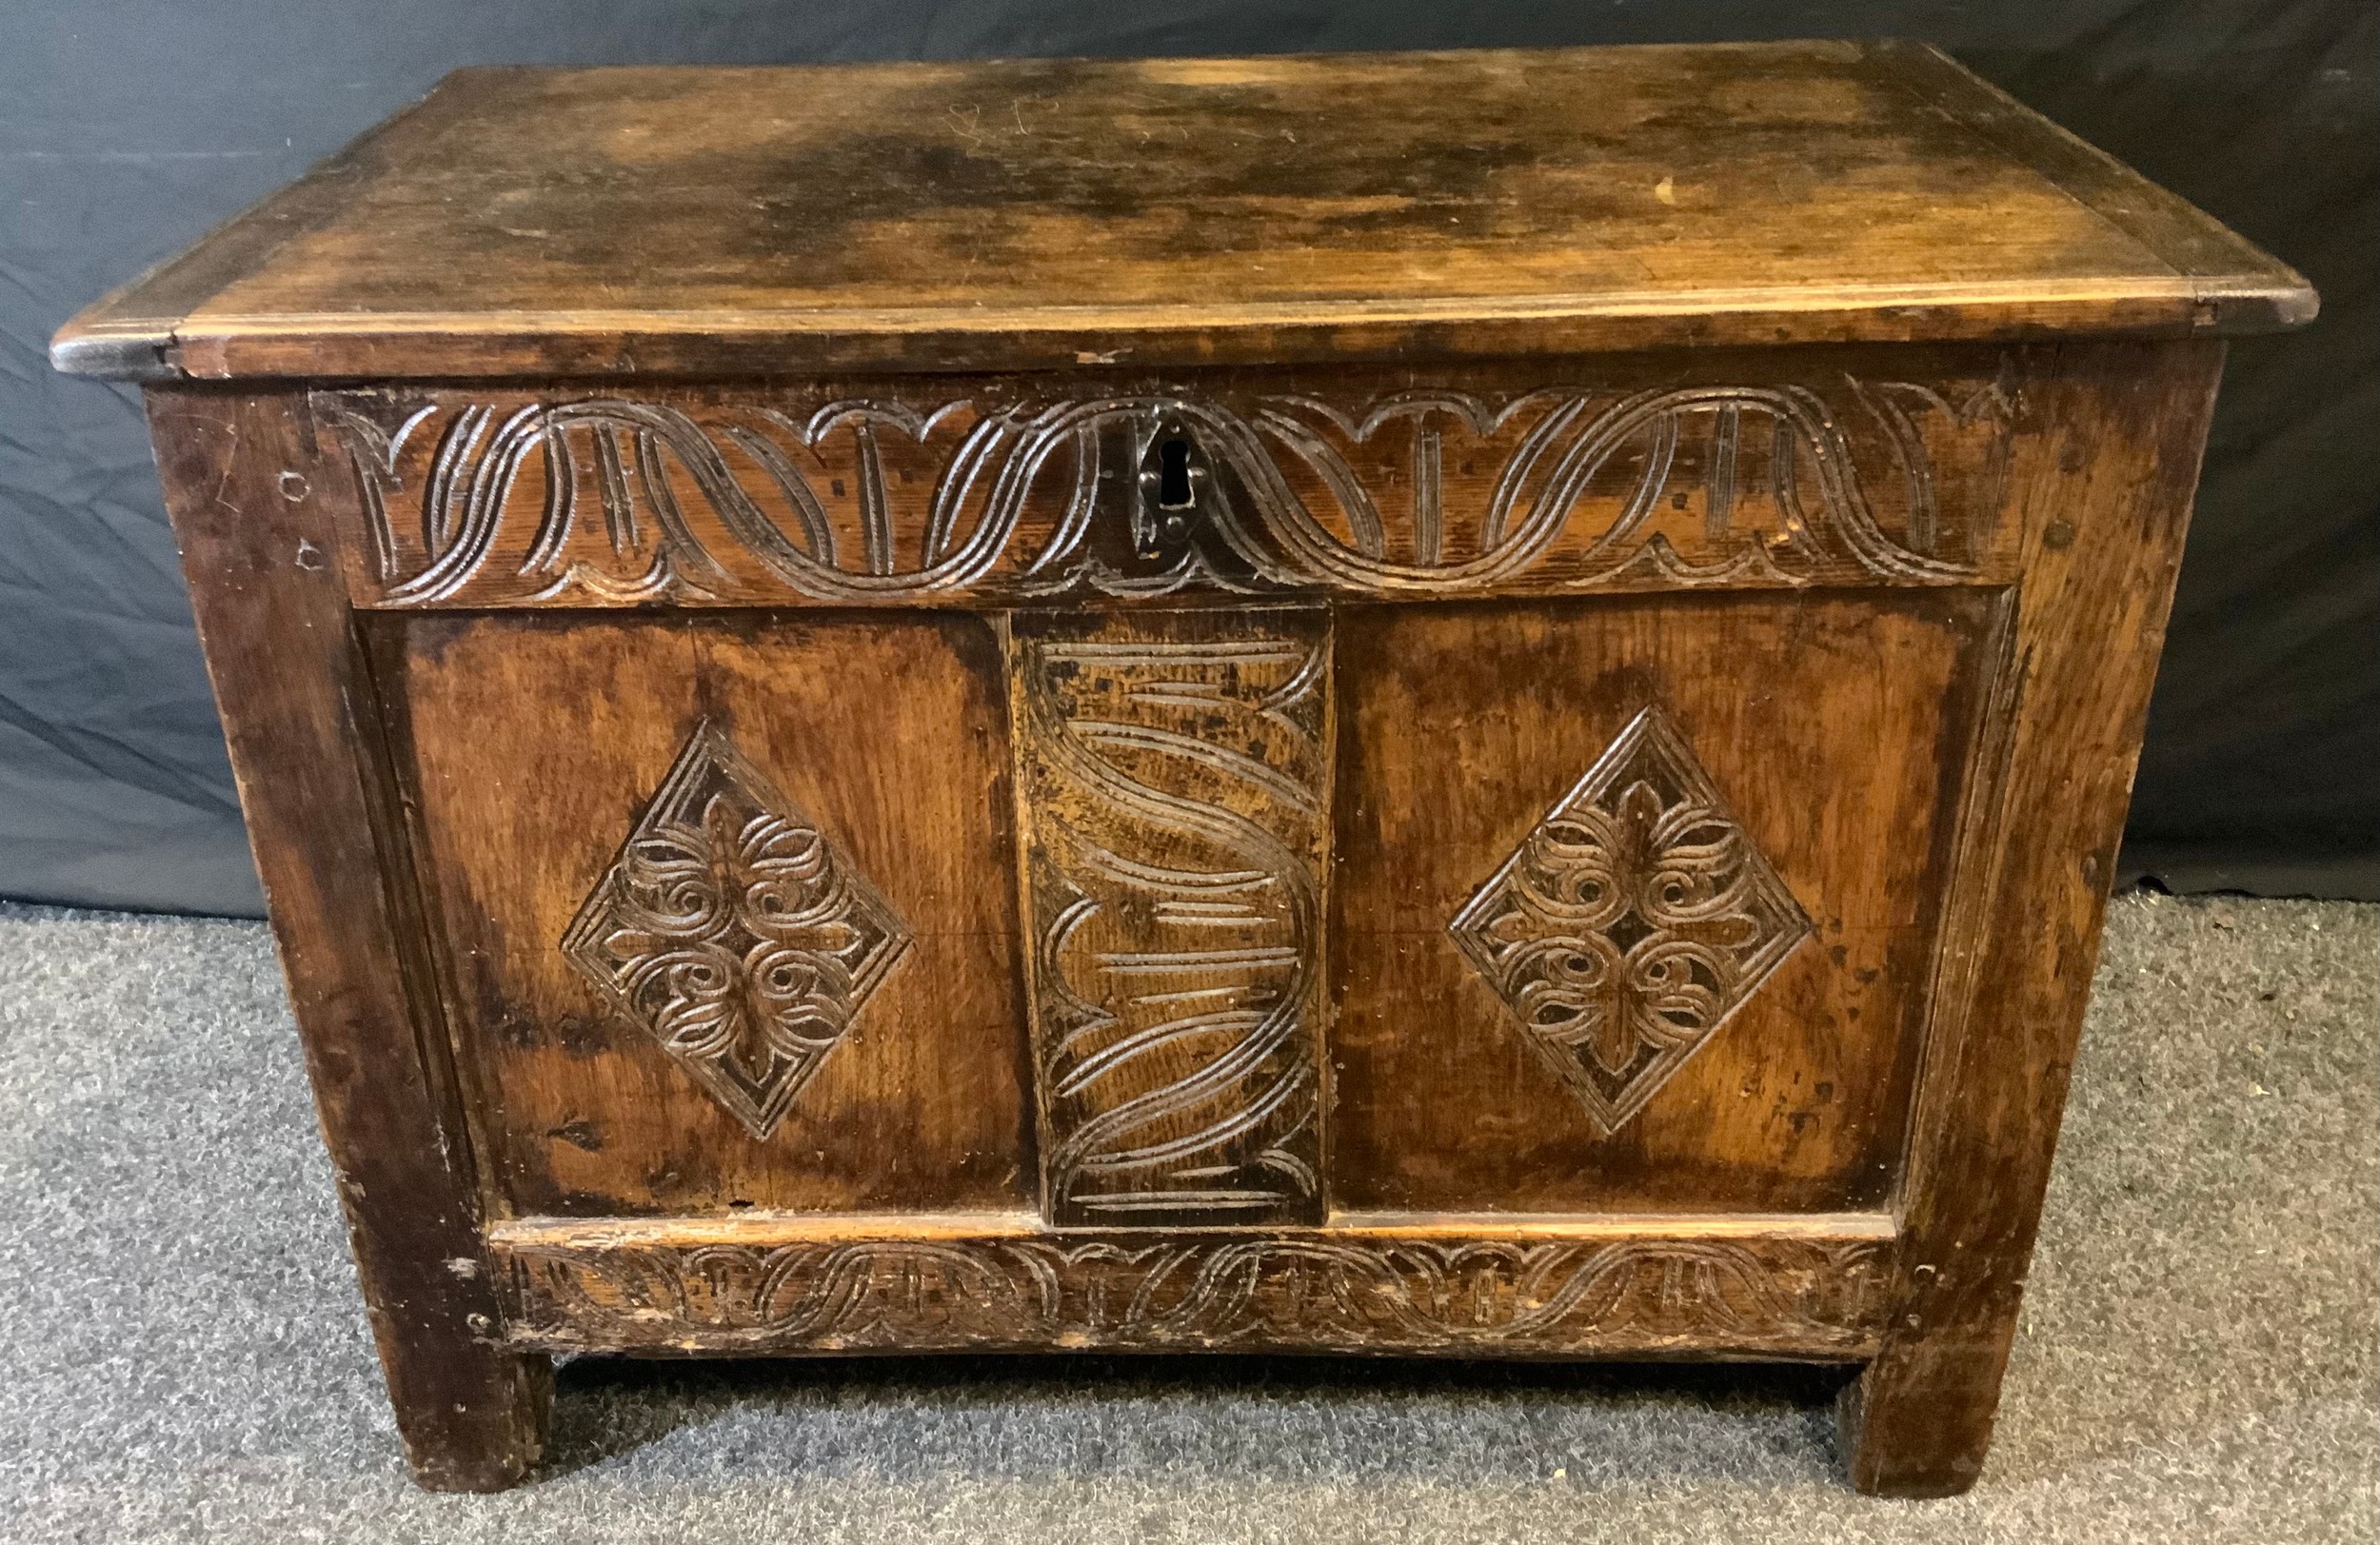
point(1030, 214)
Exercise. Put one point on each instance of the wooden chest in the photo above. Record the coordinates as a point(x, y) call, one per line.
point(1473, 704)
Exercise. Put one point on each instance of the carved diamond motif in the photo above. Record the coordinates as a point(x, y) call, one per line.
point(1633, 920)
point(732, 931)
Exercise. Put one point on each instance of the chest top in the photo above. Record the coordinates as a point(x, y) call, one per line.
point(1033, 213)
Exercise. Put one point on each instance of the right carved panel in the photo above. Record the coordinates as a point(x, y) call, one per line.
point(1692, 982)
point(1173, 773)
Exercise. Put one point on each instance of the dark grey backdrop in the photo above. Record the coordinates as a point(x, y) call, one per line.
point(129, 127)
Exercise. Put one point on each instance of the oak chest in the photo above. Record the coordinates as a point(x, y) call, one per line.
point(1468, 704)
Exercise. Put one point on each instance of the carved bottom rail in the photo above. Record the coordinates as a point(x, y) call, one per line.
point(1799, 1292)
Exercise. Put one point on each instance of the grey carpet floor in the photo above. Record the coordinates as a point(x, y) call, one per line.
point(182, 1357)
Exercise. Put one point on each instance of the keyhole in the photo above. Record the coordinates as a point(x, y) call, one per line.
point(1172, 475)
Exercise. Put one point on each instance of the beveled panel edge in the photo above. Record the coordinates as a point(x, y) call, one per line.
point(1801, 1287)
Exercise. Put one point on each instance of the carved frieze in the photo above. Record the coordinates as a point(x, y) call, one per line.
point(919, 497)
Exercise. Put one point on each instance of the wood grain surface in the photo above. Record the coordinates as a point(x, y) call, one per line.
point(1175, 792)
point(299, 712)
point(1037, 213)
point(2105, 503)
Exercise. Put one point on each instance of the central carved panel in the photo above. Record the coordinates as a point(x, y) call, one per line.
point(734, 933)
point(1173, 769)
point(1633, 921)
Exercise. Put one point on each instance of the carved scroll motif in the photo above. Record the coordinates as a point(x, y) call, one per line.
point(1633, 920)
point(731, 931)
point(613, 501)
point(1172, 768)
point(1314, 1290)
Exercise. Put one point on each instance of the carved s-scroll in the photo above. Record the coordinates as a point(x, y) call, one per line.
point(1173, 778)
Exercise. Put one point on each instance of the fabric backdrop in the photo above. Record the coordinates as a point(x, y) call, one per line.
point(129, 127)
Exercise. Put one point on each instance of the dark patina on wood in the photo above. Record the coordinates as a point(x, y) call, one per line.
point(1041, 213)
point(1445, 705)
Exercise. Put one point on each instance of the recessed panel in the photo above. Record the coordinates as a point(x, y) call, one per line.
point(725, 910)
point(1633, 904)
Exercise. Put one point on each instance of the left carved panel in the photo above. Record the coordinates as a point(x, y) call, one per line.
point(1174, 777)
point(724, 908)
point(731, 930)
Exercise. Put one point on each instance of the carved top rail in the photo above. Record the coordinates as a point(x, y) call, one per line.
point(956, 492)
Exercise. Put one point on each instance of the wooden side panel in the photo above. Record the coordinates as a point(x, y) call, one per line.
point(1174, 769)
point(1686, 471)
point(1636, 899)
point(726, 907)
point(1471, 1288)
point(2105, 501)
point(250, 508)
